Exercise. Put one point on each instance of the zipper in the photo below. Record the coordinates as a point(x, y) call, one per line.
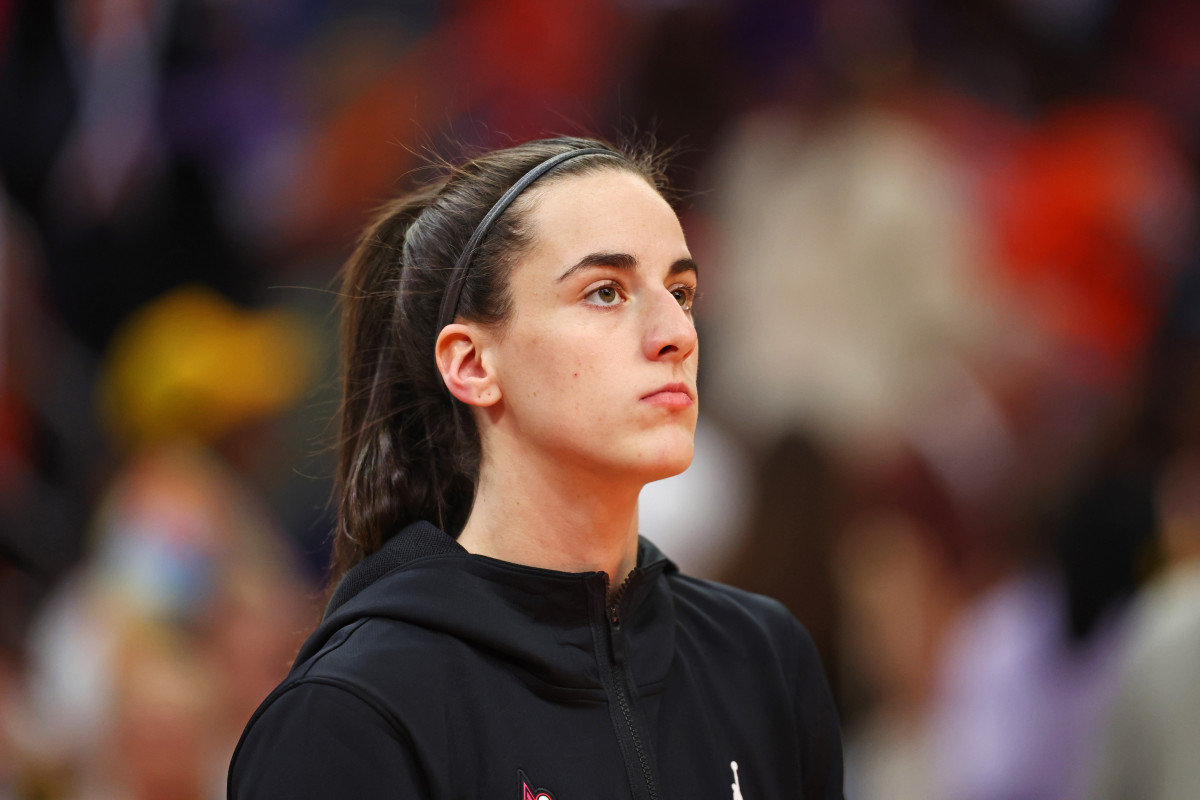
point(620, 686)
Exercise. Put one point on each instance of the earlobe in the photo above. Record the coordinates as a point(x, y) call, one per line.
point(460, 352)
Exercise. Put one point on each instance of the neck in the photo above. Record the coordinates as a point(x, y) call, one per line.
point(543, 515)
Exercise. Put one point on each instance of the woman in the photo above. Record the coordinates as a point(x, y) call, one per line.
point(520, 360)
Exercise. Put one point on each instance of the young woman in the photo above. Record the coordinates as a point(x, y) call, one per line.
point(520, 360)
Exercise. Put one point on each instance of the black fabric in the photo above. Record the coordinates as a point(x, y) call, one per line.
point(328, 740)
point(419, 539)
point(448, 673)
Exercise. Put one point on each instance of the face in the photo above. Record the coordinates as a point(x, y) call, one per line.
point(597, 365)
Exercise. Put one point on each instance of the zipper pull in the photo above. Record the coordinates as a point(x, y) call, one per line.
point(618, 641)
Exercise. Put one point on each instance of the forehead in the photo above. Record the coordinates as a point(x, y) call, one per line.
point(612, 210)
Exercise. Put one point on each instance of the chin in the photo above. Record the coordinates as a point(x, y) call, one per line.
point(670, 459)
point(640, 459)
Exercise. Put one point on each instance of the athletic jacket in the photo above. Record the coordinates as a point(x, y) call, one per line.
point(437, 674)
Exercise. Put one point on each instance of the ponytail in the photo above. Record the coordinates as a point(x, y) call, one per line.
point(394, 440)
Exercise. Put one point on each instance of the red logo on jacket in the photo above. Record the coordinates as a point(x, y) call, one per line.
point(528, 792)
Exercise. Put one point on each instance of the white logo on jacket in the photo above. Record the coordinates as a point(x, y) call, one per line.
point(737, 784)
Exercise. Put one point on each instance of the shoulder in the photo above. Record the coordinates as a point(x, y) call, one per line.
point(385, 660)
point(737, 608)
point(735, 617)
point(321, 737)
point(344, 709)
point(715, 595)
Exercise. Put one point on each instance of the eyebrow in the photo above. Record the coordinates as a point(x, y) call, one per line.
point(623, 261)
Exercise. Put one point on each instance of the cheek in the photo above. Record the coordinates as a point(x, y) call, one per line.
point(564, 373)
point(579, 377)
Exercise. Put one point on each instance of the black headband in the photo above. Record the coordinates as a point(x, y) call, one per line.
point(458, 278)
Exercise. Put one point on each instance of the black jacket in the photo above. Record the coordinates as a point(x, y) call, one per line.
point(438, 674)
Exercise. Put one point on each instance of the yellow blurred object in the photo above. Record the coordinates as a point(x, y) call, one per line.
point(192, 365)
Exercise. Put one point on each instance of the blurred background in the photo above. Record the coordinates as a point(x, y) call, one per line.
point(950, 308)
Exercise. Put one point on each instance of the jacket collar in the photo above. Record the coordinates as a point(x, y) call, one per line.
point(546, 622)
point(421, 539)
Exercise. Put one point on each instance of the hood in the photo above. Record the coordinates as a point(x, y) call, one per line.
point(551, 625)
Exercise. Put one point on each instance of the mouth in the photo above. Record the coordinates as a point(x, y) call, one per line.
point(673, 395)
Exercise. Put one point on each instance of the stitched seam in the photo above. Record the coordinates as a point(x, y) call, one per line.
point(340, 637)
point(362, 694)
point(366, 696)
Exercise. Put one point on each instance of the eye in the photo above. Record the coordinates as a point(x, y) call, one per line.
point(684, 295)
point(607, 295)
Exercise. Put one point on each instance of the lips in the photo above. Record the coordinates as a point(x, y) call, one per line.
point(673, 395)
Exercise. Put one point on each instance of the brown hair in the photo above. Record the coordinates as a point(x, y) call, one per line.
point(407, 449)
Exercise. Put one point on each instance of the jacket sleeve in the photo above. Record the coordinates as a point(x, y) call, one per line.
point(817, 718)
point(321, 740)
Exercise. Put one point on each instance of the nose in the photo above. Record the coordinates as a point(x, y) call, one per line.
point(670, 334)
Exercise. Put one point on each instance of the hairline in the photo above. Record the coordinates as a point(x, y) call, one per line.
point(523, 206)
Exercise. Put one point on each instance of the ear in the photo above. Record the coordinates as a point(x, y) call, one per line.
point(461, 354)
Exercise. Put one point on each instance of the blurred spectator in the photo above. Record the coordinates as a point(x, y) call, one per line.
point(1015, 699)
point(787, 533)
point(1090, 212)
point(849, 287)
point(163, 699)
point(111, 196)
point(191, 603)
point(1146, 744)
point(899, 592)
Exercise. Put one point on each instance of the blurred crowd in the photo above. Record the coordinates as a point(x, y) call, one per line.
point(950, 309)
